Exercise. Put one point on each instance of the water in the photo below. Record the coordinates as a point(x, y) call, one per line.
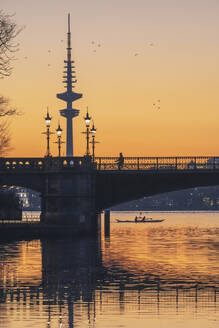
point(142, 275)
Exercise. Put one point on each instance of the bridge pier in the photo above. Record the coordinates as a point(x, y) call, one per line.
point(68, 199)
point(107, 223)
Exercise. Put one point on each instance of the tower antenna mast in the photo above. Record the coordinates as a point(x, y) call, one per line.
point(69, 96)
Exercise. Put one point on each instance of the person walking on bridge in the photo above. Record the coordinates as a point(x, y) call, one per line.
point(120, 161)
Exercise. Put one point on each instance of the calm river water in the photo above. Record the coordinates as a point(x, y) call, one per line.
point(153, 275)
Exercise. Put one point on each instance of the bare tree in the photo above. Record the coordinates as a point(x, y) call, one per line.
point(5, 110)
point(8, 32)
point(5, 138)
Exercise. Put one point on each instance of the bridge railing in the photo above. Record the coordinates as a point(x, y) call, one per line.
point(158, 163)
point(41, 163)
point(111, 163)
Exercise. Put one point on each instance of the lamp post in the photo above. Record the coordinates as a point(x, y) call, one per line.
point(87, 119)
point(59, 141)
point(93, 132)
point(48, 133)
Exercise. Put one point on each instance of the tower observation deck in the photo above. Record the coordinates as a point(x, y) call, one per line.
point(69, 95)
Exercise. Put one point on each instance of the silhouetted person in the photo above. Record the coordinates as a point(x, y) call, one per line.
point(143, 219)
point(136, 219)
point(120, 161)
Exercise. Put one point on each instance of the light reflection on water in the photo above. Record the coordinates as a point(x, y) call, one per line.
point(155, 275)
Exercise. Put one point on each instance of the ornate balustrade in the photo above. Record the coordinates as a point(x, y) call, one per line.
point(42, 163)
point(159, 163)
point(111, 163)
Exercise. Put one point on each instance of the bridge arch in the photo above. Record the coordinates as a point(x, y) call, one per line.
point(114, 188)
point(25, 180)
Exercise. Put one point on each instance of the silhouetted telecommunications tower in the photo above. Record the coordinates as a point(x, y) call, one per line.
point(69, 96)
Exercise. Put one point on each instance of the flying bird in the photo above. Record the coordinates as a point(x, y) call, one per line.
point(156, 105)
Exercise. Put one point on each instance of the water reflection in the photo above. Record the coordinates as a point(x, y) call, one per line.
point(132, 277)
point(66, 275)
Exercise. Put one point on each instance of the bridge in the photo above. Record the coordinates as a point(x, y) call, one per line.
point(74, 189)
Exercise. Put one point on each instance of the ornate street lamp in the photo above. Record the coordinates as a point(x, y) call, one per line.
point(59, 141)
point(93, 132)
point(48, 133)
point(87, 119)
point(48, 119)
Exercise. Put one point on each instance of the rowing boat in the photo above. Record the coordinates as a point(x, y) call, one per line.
point(147, 220)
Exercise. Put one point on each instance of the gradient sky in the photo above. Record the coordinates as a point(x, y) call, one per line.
point(122, 80)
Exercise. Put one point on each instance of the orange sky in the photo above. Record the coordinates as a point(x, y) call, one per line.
point(180, 68)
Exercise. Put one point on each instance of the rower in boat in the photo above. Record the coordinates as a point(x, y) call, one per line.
point(141, 219)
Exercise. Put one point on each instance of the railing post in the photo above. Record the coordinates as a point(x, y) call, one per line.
point(157, 162)
point(195, 163)
point(99, 165)
point(214, 163)
point(176, 163)
point(138, 163)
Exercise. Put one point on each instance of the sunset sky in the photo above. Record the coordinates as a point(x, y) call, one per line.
point(150, 50)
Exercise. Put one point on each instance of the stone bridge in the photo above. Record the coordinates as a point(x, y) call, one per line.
point(74, 189)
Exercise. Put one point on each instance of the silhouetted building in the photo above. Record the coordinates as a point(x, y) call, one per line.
point(29, 199)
